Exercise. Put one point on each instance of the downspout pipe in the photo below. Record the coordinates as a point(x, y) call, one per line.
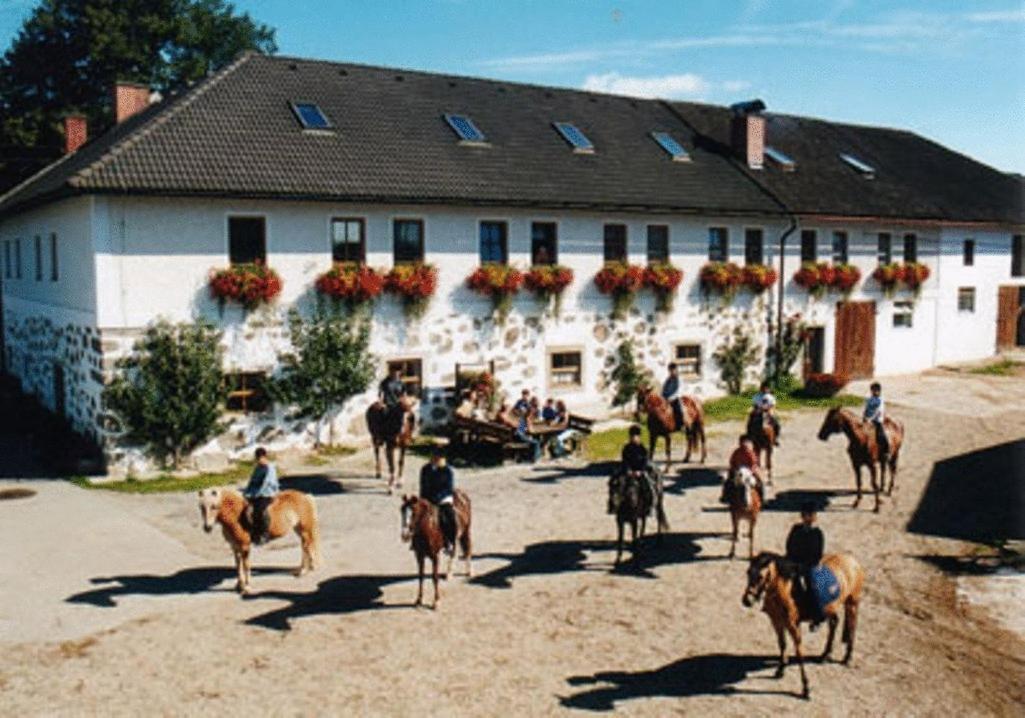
point(791, 228)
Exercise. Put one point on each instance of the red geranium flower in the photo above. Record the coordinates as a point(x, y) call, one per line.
point(247, 284)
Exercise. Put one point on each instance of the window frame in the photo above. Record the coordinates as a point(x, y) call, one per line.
point(452, 120)
point(415, 378)
point(256, 393)
point(619, 254)
point(54, 258)
point(294, 104)
point(903, 309)
point(668, 253)
point(394, 240)
point(725, 243)
point(913, 237)
point(554, 224)
point(551, 372)
point(888, 253)
point(682, 361)
point(969, 292)
point(814, 235)
point(362, 222)
point(561, 127)
point(761, 246)
point(843, 238)
point(227, 235)
point(504, 224)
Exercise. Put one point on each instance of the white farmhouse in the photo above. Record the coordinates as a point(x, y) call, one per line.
point(298, 163)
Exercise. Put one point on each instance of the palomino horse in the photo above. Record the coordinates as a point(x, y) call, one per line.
point(661, 422)
point(632, 504)
point(290, 510)
point(863, 447)
point(763, 436)
point(772, 576)
point(391, 429)
point(745, 503)
point(421, 525)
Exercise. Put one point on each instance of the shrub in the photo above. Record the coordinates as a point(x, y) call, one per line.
point(663, 279)
point(414, 284)
point(783, 352)
point(351, 283)
point(500, 282)
point(821, 386)
point(734, 357)
point(622, 281)
point(169, 390)
point(247, 284)
point(627, 376)
point(548, 282)
point(759, 277)
point(723, 278)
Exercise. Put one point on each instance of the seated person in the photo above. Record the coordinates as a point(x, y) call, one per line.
point(467, 404)
point(437, 485)
point(671, 392)
point(523, 403)
point(548, 412)
point(763, 406)
point(745, 456)
point(524, 435)
point(260, 491)
point(634, 460)
point(805, 545)
point(875, 414)
point(559, 448)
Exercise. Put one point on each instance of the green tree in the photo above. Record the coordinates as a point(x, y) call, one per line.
point(330, 363)
point(627, 375)
point(734, 357)
point(69, 53)
point(784, 352)
point(169, 390)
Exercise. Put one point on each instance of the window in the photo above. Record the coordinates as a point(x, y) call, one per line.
point(411, 374)
point(754, 247)
point(667, 142)
point(780, 158)
point(688, 359)
point(576, 139)
point(840, 248)
point(543, 243)
point(903, 312)
point(494, 247)
point(809, 246)
point(615, 243)
point(54, 273)
point(7, 258)
point(966, 299)
point(718, 244)
point(348, 240)
point(865, 170)
point(408, 241)
point(39, 258)
point(565, 369)
point(910, 248)
point(658, 243)
point(246, 392)
point(1018, 256)
point(17, 259)
point(310, 116)
point(884, 253)
point(464, 128)
point(968, 253)
point(247, 240)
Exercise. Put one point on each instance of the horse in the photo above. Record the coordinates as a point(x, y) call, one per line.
point(391, 429)
point(772, 576)
point(290, 510)
point(421, 526)
point(763, 436)
point(745, 504)
point(662, 422)
point(631, 505)
point(863, 447)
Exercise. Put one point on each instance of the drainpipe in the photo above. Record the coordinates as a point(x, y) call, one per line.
point(782, 283)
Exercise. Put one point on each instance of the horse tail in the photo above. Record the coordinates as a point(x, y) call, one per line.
point(663, 520)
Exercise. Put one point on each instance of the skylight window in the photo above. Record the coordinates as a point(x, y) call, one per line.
point(670, 145)
point(576, 139)
point(781, 158)
point(866, 170)
point(464, 128)
point(310, 116)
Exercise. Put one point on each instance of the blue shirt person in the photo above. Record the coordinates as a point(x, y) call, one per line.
point(875, 412)
point(438, 485)
point(261, 490)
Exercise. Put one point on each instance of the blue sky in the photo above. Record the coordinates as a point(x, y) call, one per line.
point(953, 71)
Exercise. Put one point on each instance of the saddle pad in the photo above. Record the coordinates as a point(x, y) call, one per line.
point(825, 586)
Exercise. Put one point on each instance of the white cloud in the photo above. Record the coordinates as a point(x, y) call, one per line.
point(999, 16)
point(735, 85)
point(687, 84)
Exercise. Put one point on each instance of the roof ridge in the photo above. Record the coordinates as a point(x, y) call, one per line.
point(34, 176)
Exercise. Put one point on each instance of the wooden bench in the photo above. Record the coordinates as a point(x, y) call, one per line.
point(467, 433)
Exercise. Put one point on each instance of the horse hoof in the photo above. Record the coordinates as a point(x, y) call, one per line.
point(806, 694)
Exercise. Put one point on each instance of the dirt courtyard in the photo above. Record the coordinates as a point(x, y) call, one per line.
point(120, 604)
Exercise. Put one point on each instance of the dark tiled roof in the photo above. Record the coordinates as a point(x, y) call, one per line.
point(235, 134)
point(915, 178)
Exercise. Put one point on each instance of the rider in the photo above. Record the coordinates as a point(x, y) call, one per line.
point(390, 391)
point(745, 456)
point(875, 413)
point(805, 545)
point(635, 460)
point(763, 405)
point(671, 393)
point(261, 490)
point(437, 485)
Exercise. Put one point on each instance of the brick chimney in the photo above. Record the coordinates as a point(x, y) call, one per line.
point(747, 132)
point(130, 98)
point(76, 132)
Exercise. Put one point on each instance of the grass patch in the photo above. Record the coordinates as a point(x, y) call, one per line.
point(336, 451)
point(166, 484)
point(1004, 367)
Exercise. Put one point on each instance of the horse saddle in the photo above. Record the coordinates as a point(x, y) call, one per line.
point(825, 587)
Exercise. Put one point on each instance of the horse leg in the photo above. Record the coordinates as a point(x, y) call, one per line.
point(619, 541)
point(875, 484)
point(688, 434)
point(704, 445)
point(434, 577)
point(781, 640)
point(795, 635)
point(304, 543)
point(736, 531)
point(241, 582)
point(633, 539)
point(857, 476)
point(751, 537)
point(893, 474)
point(768, 464)
point(247, 574)
point(402, 465)
point(377, 458)
point(833, 621)
point(850, 624)
point(420, 577)
point(451, 559)
point(467, 546)
point(669, 450)
point(389, 452)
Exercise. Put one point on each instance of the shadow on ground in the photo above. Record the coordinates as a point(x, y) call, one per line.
point(557, 474)
point(978, 496)
point(315, 484)
point(693, 477)
point(713, 674)
point(335, 596)
point(186, 581)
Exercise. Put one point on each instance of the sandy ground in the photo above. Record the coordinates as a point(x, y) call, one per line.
point(121, 605)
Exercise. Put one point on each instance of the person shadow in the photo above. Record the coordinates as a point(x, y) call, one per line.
point(188, 581)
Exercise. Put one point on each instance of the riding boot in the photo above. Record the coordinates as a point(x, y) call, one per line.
point(448, 526)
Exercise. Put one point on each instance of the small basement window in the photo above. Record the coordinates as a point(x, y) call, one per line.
point(864, 169)
point(688, 359)
point(667, 142)
point(903, 312)
point(966, 299)
point(565, 369)
point(246, 392)
point(573, 135)
point(780, 158)
point(464, 128)
point(310, 116)
point(411, 373)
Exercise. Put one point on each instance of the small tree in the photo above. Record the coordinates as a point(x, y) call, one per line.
point(734, 357)
point(330, 363)
point(785, 350)
point(627, 375)
point(169, 390)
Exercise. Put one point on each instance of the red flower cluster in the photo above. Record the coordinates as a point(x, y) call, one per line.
point(663, 277)
point(759, 277)
point(619, 278)
point(248, 284)
point(722, 277)
point(887, 276)
point(914, 274)
point(351, 282)
point(846, 277)
point(823, 385)
point(483, 383)
point(816, 278)
point(547, 279)
point(412, 281)
point(495, 279)
point(911, 274)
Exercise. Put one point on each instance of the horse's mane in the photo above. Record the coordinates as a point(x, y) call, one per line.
point(784, 567)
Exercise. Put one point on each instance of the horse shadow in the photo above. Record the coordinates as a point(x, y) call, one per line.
point(711, 674)
point(188, 581)
point(313, 484)
point(792, 500)
point(335, 596)
point(558, 474)
point(693, 477)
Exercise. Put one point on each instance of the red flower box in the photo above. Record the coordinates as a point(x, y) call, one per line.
point(622, 281)
point(721, 277)
point(548, 281)
point(816, 278)
point(415, 284)
point(498, 281)
point(247, 284)
point(888, 276)
point(914, 275)
point(664, 279)
point(846, 277)
point(353, 283)
point(759, 277)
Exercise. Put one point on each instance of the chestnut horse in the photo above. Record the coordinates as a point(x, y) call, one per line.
point(863, 447)
point(393, 430)
point(763, 436)
point(661, 422)
point(745, 504)
point(290, 510)
point(772, 576)
point(421, 526)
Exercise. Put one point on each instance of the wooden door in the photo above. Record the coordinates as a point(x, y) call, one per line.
point(1009, 317)
point(815, 351)
point(855, 339)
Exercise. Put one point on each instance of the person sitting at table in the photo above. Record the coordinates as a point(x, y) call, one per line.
point(524, 435)
point(559, 448)
point(504, 416)
point(548, 413)
point(467, 404)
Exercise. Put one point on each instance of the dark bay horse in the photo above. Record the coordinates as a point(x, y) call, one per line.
point(632, 504)
point(763, 436)
point(864, 449)
point(745, 504)
point(770, 576)
point(394, 430)
point(421, 526)
point(662, 423)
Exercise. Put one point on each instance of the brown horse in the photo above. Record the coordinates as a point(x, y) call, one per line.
point(393, 430)
point(763, 436)
point(864, 449)
point(631, 505)
point(290, 510)
point(421, 526)
point(772, 576)
point(745, 505)
point(662, 423)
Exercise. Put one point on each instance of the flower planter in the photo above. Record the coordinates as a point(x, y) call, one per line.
point(816, 278)
point(664, 279)
point(722, 278)
point(250, 285)
point(414, 284)
point(888, 276)
point(548, 282)
point(914, 275)
point(759, 277)
point(845, 278)
point(621, 281)
point(499, 282)
point(354, 284)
